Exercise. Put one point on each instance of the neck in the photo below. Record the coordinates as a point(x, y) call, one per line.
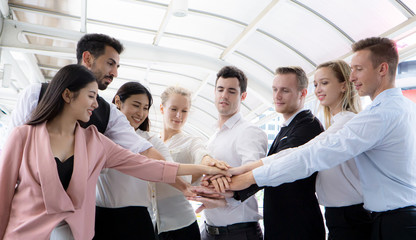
point(286, 116)
point(385, 84)
point(222, 119)
point(168, 133)
point(62, 125)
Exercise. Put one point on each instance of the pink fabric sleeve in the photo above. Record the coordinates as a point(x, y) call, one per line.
point(10, 161)
point(137, 165)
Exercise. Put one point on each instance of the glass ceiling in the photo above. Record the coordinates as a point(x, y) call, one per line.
point(39, 37)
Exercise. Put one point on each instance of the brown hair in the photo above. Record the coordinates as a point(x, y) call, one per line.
point(382, 50)
point(230, 72)
point(300, 75)
point(72, 77)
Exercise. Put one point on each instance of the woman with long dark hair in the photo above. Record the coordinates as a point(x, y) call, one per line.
point(49, 167)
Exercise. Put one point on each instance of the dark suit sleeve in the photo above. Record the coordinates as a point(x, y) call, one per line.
point(302, 132)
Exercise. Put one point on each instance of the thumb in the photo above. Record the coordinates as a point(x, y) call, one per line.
point(200, 209)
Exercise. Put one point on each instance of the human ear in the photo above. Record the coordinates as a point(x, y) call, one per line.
point(384, 68)
point(243, 96)
point(161, 108)
point(117, 101)
point(67, 95)
point(304, 92)
point(87, 59)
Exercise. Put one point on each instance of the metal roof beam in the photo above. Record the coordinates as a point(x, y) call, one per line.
point(249, 29)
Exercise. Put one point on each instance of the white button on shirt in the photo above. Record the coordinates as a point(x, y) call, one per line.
point(238, 142)
point(382, 138)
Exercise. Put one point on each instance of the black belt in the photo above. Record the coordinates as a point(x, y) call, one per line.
point(229, 228)
point(403, 209)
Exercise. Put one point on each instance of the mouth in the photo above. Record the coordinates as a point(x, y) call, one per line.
point(137, 120)
point(90, 111)
point(321, 97)
point(357, 86)
point(108, 79)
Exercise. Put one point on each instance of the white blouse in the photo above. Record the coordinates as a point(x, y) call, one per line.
point(173, 209)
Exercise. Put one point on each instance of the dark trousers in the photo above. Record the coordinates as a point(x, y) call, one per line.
point(350, 222)
point(190, 232)
point(395, 224)
point(252, 232)
point(125, 223)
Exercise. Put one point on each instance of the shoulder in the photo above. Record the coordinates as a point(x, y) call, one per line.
point(307, 118)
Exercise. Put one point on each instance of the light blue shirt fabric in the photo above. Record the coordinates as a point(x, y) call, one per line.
point(382, 138)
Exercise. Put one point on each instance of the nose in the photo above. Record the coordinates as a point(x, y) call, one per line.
point(353, 77)
point(139, 112)
point(95, 103)
point(318, 88)
point(114, 71)
point(277, 94)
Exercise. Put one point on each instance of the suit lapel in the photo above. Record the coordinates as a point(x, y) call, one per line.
point(54, 195)
point(284, 130)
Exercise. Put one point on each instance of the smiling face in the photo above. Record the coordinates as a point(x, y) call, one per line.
point(287, 98)
point(84, 102)
point(175, 112)
point(105, 67)
point(136, 109)
point(328, 89)
point(365, 77)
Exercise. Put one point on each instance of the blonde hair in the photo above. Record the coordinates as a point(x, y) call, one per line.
point(350, 99)
point(175, 90)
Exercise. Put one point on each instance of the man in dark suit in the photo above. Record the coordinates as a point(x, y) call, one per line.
point(291, 210)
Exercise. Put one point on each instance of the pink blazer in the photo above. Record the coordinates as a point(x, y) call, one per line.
point(32, 199)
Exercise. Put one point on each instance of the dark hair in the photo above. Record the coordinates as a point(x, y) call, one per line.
point(230, 72)
point(300, 75)
point(382, 50)
point(72, 77)
point(95, 44)
point(133, 88)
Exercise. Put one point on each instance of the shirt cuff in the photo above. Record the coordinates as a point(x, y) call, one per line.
point(260, 175)
point(170, 172)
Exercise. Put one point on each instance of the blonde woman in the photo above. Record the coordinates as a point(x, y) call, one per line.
point(339, 188)
point(177, 219)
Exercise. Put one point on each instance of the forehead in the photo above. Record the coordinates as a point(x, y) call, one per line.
point(361, 57)
point(178, 100)
point(287, 80)
point(110, 52)
point(324, 72)
point(228, 82)
point(139, 97)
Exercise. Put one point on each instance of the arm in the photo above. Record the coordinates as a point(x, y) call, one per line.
point(120, 131)
point(357, 136)
point(26, 103)
point(10, 161)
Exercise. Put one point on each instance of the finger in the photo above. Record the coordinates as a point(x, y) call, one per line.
point(228, 179)
point(216, 186)
point(225, 181)
point(221, 184)
point(200, 209)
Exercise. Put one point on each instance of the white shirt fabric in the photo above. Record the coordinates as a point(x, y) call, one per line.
point(382, 138)
point(116, 189)
point(338, 186)
point(118, 129)
point(238, 142)
point(174, 210)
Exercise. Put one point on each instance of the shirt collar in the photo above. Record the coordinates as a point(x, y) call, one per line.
point(287, 122)
point(385, 95)
point(232, 120)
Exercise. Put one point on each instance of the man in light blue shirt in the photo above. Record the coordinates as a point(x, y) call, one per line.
point(382, 139)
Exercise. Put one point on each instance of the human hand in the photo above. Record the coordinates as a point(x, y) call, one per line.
point(242, 181)
point(218, 182)
point(206, 192)
point(208, 203)
point(209, 161)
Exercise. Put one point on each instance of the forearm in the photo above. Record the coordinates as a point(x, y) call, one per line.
point(191, 169)
point(152, 153)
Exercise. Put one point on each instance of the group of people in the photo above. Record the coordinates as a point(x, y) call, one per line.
point(68, 144)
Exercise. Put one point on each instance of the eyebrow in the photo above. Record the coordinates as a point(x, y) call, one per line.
point(92, 91)
point(114, 61)
point(141, 103)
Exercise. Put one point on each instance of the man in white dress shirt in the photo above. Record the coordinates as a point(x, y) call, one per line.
point(236, 142)
point(382, 139)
